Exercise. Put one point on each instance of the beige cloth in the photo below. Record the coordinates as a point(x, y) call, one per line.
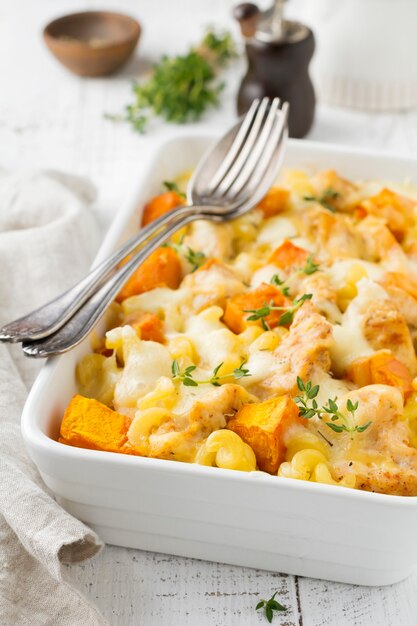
point(47, 240)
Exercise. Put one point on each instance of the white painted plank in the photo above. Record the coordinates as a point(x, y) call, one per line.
point(134, 587)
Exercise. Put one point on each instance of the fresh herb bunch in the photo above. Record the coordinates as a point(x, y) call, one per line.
point(325, 199)
point(339, 422)
point(186, 377)
point(286, 317)
point(181, 88)
point(270, 606)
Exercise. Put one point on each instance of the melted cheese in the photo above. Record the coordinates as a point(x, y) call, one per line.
point(276, 230)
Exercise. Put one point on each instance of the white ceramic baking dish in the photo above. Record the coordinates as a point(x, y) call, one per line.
point(254, 520)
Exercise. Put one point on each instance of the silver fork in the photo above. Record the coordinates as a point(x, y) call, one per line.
point(251, 154)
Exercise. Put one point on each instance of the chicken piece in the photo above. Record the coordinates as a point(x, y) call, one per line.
point(303, 352)
point(336, 191)
point(324, 295)
point(394, 209)
point(212, 284)
point(380, 457)
point(380, 245)
point(215, 240)
point(385, 328)
point(333, 235)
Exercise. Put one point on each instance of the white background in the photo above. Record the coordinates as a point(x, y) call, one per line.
point(51, 119)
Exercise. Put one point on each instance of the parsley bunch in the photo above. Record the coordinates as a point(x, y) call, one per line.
point(181, 88)
point(339, 422)
point(186, 377)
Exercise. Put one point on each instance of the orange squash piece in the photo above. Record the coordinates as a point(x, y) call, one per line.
point(160, 205)
point(161, 269)
point(381, 368)
point(236, 317)
point(288, 256)
point(89, 424)
point(148, 326)
point(262, 426)
point(275, 201)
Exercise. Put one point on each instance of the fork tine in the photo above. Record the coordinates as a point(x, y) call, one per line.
point(245, 151)
point(264, 165)
point(263, 139)
point(235, 147)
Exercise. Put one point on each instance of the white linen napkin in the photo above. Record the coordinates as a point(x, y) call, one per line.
point(48, 236)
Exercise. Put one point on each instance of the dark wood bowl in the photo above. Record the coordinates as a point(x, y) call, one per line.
point(92, 43)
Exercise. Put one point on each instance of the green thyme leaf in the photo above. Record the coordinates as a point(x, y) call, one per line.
point(310, 267)
point(171, 185)
point(269, 606)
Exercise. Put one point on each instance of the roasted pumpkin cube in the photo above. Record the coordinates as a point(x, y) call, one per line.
point(148, 326)
point(161, 269)
point(262, 426)
point(288, 256)
point(236, 313)
point(89, 424)
point(381, 368)
point(275, 201)
point(160, 205)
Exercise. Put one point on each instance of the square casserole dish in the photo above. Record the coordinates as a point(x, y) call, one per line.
point(253, 520)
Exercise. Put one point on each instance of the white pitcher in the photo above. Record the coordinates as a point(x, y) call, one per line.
point(366, 53)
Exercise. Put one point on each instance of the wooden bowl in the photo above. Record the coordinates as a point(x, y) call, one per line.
point(92, 43)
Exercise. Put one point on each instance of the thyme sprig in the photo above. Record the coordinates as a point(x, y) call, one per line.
point(186, 376)
point(338, 422)
point(310, 267)
point(195, 258)
point(286, 317)
point(270, 606)
point(325, 199)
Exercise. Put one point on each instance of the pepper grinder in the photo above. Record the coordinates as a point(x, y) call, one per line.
point(278, 52)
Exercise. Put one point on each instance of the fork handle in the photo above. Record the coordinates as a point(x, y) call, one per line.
point(47, 319)
point(78, 327)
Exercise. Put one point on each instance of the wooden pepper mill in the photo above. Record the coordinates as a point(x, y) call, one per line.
point(279, 52)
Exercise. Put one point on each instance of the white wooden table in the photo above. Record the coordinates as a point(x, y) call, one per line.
point(50, 119)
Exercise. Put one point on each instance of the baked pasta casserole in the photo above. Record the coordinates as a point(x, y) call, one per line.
point(281, 342)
